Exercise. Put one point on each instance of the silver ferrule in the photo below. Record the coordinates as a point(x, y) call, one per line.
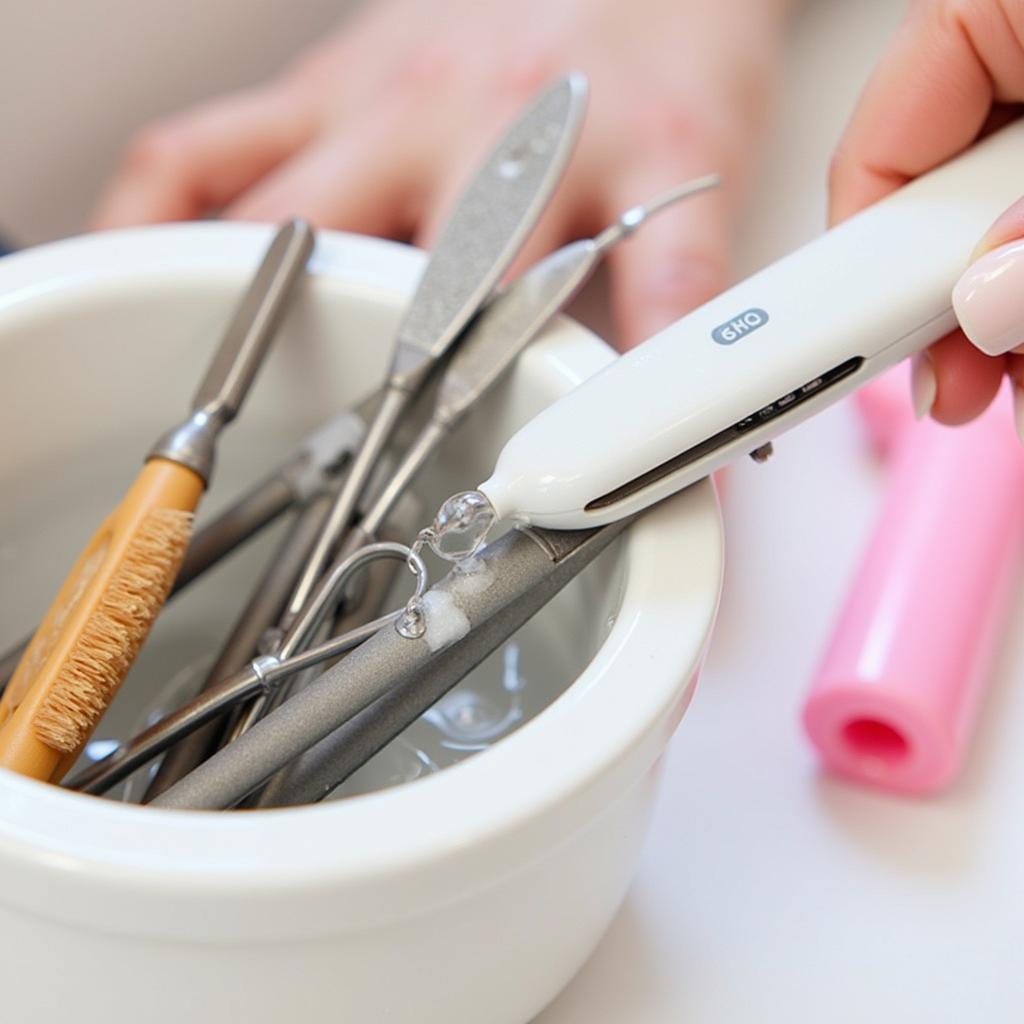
point(192, 443)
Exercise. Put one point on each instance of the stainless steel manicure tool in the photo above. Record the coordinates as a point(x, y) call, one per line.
point(248, 335)
point(490, 222)
point(481, 237)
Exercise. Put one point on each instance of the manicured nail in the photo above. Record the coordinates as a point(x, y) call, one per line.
point(1018, 410)
point(923, 385)
point(989, 300)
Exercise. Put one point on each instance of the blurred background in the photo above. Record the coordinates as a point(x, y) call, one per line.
point(767, 891)
point(81, 75)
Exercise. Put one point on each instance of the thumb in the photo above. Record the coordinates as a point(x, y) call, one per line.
point(989, 298)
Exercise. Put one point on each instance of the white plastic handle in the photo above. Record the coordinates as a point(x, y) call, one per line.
point(763, 355)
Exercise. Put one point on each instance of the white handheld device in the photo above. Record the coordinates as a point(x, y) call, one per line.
point(762, 356)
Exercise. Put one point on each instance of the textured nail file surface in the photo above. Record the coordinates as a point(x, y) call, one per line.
point(490, 223)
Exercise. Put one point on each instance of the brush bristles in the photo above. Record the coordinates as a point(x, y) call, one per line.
point(113, 634)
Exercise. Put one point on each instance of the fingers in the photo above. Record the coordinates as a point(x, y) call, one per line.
point(928, 99)
point(954, 382)
point(199, 161)
point(369, 176)
point(966, 367)
point(1015, 371)
point(1009, 227)
point(989, 297)
point(677, 261)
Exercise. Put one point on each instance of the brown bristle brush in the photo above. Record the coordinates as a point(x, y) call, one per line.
point(92, 633)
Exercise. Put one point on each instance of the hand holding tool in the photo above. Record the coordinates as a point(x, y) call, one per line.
point(762, 356)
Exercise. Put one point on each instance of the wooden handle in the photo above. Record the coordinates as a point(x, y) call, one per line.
point(79, 619)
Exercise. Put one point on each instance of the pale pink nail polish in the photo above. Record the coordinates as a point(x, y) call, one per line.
point(989, 300)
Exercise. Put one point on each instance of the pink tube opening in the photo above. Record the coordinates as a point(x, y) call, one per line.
point(872, 738)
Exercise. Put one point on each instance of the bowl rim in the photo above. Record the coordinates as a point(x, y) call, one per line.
point(673, 572)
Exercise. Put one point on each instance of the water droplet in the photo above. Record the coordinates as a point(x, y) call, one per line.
point(412, 623)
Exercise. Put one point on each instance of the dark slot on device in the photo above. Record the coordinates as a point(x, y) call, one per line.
point(724, 437)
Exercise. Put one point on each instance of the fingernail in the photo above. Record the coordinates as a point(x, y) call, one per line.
point(989, 300)
point(923, 385)
point(1018, 410)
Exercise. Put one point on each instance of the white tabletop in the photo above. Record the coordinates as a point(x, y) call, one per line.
point(767, 891)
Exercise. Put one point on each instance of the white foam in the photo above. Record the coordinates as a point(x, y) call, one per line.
point(446, 621)
point(473, 576)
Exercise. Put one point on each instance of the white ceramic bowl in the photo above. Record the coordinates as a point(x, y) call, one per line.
point(471, 895)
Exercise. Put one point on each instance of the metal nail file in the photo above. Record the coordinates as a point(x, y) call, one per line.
point(481, 237)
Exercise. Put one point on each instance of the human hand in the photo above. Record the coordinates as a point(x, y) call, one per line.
point(377, 129)
point(949, 75)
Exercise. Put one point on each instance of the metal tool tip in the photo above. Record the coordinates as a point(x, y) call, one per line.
point(634, 217)
point(577, 83)
point(296, 232)
point(637, 215)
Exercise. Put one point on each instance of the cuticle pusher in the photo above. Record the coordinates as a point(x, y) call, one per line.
point(506, 325)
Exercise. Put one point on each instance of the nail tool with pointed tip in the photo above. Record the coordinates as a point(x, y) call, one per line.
point(300, 477)
point(489, 224)
point(88, 640)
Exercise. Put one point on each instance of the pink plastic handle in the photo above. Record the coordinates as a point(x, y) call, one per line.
point(896, 694)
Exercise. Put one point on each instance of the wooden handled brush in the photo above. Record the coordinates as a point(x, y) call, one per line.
point(92, 633)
